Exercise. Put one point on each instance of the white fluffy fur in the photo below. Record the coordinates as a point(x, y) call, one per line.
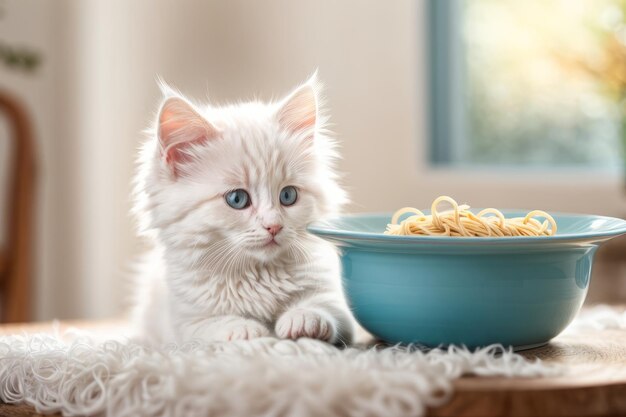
point(260, 377)
point(86, 374)
point(211, 275)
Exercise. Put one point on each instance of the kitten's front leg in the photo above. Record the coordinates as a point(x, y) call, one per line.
point(316, 317)
point(223, 328)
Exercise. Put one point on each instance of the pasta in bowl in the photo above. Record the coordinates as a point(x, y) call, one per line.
point(462, 222)
point(516, 290)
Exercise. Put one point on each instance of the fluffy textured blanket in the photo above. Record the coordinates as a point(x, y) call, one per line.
point(79, 375)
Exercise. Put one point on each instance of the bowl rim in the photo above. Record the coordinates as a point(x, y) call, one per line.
point(324, 228)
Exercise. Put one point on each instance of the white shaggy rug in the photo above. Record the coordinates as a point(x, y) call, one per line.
point(76, 374)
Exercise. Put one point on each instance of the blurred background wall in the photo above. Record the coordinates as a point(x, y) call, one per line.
point(95, 91)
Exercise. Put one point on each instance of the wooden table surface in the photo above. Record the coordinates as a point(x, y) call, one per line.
point(594, 385)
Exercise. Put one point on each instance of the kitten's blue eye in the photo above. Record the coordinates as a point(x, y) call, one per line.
point(288, 195)
point(238, 199)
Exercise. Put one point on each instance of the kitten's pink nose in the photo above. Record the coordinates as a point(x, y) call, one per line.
point(274, 229)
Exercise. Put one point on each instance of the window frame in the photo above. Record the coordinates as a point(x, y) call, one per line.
point(579, 188)
point(447, 114)
point(445, 66)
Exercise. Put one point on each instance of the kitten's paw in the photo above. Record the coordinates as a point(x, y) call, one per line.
point(243, 330)
point(305, 323)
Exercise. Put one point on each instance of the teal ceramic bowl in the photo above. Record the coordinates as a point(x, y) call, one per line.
point(516, 291)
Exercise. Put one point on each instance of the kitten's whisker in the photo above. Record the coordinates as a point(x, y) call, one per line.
point(207, 251)
point(216, 255)
point(230, 254)
point(231, 259)
point(212, 249)
point(223, 255)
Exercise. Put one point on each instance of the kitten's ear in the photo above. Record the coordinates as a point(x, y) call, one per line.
point(180, 126)
point(298, 112)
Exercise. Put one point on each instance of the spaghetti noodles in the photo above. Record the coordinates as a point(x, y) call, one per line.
point(460, 221)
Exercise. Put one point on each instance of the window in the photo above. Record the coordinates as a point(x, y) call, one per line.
point(528, 83)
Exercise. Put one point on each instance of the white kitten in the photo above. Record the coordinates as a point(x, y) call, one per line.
point(226, 194)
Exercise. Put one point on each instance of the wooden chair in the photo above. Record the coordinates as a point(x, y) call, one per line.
point(16, 260)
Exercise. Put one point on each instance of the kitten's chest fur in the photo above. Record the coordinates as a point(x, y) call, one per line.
point(255, 290)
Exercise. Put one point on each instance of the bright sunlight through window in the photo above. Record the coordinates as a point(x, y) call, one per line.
point(538, 82)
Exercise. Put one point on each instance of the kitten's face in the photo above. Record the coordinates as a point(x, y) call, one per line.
point(262, 185)
point(241, 180)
